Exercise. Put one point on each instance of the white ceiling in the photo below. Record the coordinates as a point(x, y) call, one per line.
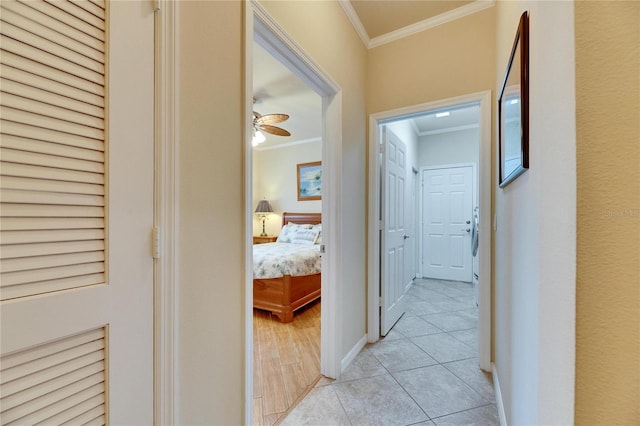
point(278, 90)
point(459, 118)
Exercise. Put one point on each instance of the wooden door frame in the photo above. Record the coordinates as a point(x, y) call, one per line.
point(474, 199)
point(261, 27)
point(484, 202)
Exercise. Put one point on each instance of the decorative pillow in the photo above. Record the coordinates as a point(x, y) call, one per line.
point(318, 228)
point(288, 232)
point(305, 236)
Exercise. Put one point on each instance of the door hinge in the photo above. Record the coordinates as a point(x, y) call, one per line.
point(156, 5)
point(381, 225)
point(380, 302)
point(322, 248)
point(382, 148)
point(155, 243)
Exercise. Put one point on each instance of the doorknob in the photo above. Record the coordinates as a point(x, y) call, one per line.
point(406, 237)
point(467, 230)
point(468, 222)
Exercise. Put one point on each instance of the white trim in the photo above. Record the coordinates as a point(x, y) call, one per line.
point(248, 214)
point(474, 197)
point(484, 253)
point(165, 213)
point(262, 28)
point(356, 22)
point(449, 129)
point(414, 126)
point(484, 203)
point(287, 144)
point(353, 353)
point(498, 392)
point(434, 21)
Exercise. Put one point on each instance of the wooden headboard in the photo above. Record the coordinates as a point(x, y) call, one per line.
point(302, 218)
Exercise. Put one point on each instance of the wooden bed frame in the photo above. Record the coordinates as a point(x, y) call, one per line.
point(285, 294)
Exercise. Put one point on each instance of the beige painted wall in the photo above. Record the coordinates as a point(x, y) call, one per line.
point(608, 218)
point(449, 60)
point(210, 310)
point(326, 34)
point(534, 243)
point(274, 178)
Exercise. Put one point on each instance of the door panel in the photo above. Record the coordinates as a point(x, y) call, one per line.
point(77, 212)
point(447, 212)
point(393, 235)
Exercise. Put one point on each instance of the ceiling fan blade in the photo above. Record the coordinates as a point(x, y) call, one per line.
point(274, 130)
point(272, 118)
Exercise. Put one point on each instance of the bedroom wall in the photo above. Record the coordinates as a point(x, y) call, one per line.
point(275, 178)
point(323, 30)
point(608, 155)
point(535, 235)
point(456, 147)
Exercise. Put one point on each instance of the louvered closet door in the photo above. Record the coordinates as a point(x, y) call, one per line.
point(76, 211)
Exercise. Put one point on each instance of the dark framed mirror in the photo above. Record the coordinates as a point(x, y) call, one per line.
point(513, 109)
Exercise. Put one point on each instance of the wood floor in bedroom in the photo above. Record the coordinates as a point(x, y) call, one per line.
point(286, 361)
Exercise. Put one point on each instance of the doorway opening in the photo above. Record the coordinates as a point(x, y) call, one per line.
point(286, 341)
point(446, 253)
point(262, 29)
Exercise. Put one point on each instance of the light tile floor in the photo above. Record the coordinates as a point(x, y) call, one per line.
point(424, 372)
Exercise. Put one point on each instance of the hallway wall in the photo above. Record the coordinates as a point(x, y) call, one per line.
point(534, 246)
point(452, 59)
point(608, 236)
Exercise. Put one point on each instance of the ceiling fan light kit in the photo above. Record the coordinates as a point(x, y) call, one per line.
point(264, 123)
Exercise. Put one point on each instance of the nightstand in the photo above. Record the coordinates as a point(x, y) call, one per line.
point(266, 239)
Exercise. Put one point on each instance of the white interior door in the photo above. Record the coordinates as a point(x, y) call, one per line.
point(76, 184)
point(410, 240)
point(447, 214)
point(394, 230)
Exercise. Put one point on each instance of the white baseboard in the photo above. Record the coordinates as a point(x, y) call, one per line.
point(500, 404)
point(353, 353)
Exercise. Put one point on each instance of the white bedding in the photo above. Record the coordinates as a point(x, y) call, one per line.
point(274, 260)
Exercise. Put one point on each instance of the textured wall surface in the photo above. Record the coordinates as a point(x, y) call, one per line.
point(608, 232)
point(449, 60)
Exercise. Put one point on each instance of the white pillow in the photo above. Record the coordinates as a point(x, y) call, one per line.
point(305, 236)
point(288, 232)
point(318, 228)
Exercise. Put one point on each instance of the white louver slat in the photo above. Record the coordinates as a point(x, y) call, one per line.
point(61, 381)
point(52, 149)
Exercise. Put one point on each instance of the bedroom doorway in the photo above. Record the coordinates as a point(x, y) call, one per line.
point(482, 103)
point(270, 366)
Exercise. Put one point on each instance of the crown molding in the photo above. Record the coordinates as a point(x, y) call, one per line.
point(412, 29)
point(287, 144)
point(356, 22)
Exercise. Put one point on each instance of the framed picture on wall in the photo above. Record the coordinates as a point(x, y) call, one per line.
point(513, 109)
point(310, 181)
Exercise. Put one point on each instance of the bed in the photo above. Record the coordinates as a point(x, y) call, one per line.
point(296, 286)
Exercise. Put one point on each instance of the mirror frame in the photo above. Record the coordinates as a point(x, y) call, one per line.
point(521, 39)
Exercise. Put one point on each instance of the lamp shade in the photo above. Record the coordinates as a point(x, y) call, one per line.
point(264, 206)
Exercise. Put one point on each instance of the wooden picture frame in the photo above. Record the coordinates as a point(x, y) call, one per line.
point(513, 109)
point(309, 181)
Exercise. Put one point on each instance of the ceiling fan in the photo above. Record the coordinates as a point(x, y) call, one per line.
point(265, 123)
